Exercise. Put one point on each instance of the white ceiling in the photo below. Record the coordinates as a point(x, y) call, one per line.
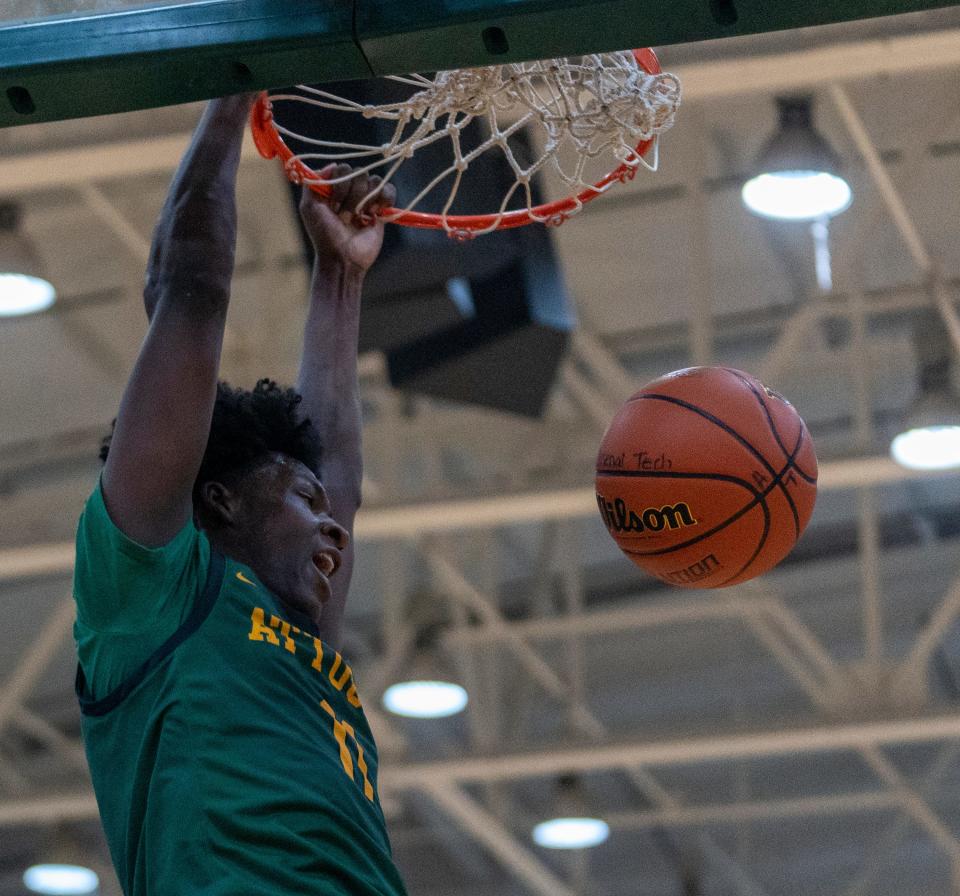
point(798, 735)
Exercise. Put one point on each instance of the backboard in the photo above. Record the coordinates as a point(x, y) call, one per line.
point(22, 11)
point(70, 58)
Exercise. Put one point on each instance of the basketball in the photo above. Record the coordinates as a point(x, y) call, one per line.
point(706, 477)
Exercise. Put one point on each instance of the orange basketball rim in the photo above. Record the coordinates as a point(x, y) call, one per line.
point(270, 144)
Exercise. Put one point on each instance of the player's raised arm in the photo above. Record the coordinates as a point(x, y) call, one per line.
point(165, 413)
point(345, 249)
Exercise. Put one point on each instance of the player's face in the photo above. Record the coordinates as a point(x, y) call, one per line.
point(293, 544)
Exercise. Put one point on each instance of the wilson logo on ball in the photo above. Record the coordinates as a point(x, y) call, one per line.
point(620, 518)
point(733, 449)
point(704, 567)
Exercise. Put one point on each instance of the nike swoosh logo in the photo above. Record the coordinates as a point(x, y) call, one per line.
point(243, 578)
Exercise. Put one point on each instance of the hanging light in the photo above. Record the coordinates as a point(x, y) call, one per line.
point(930, 436)
point(799, 176)
point(425, 698)
point(430, 692)
point(61, 880)
point(928, 446)
point(574, 826)
point(64, 870)
point(571, 832)
point(23, 289)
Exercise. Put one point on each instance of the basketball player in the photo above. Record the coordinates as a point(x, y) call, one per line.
point(227, 743)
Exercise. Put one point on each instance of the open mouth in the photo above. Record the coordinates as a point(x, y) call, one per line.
point(326, 562)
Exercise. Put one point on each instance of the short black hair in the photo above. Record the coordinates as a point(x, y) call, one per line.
point(248, 427)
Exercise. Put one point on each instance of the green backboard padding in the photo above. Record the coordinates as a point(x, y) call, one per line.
point(95, 64)
point(157, 57)
point(435, 34)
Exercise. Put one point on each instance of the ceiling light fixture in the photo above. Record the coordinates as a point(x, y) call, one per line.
point(23, 289)
point(928, 447)
point(930, 436)
point(61, 880)
point(574, 826)
point(429, 691)
point(424, 699)
point(799, 176)
point(571, 833)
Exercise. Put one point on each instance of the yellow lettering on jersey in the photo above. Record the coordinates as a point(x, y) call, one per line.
point(259, 631)
point(361, 762)
point(318, 659)
point(340, 732)
point(285, 634)
point(338, 683)
point(353, 698)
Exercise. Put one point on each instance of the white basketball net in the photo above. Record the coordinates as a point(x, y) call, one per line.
point(596, 107)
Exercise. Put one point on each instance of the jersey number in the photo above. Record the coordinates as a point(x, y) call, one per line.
point(340, 732)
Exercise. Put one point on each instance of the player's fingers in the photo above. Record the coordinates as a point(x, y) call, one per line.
point(367, 199)
point(360, 188)
point(310, 206)
point(340, 188)
point(386, 194)
point(308, 199)
point(315, 209)
point(325, 173)
point(356, 206)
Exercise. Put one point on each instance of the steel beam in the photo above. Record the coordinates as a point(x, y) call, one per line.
point(459, 589)
point(35, 660)
point(914, 804)
point(734, 870)
point(48, 809)
point(633, 755)
point(411, 521)
point(809, 69)
point(486, 829)
point(929, 638)
point(723, 814)
point(118, 161)
point(897, 209)
point(678, 751)
point(885, 846)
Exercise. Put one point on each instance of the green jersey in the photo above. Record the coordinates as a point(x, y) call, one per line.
point(227, 743)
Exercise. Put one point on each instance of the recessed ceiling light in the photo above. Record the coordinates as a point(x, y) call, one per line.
point(571, 833)
point(61, 880)
point(798, 172)
point(23, 294)
point(797, 195)
point(425, 699)
point(928, 448)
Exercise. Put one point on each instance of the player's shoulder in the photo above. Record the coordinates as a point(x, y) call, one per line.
point(96, 523)
point(108, 560)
